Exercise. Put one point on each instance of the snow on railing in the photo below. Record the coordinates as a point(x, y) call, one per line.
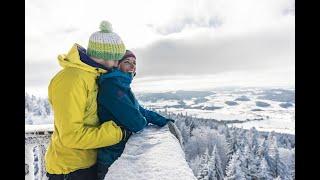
point(151, 154)
point(37, 138)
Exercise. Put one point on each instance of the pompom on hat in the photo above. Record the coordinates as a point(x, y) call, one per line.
point(106, 44)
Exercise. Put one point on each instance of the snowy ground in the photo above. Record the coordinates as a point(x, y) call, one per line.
point(265, 109)
point(153, 153)
point(275, 118)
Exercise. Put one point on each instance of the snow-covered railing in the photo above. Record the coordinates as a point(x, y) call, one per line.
point(152, 154)
point(37, 138)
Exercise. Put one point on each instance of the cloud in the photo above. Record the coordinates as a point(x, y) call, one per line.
point(265, 78)
point(180, 25)
point(233, 15)
point(39, 73)
point(170, 37)
point(207, 54)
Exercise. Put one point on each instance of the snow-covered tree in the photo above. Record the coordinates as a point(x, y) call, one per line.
point(264, 171)
point(253, 140)
point(262, 149)
point(37, 106)
point(277, 167)
point(259, 155)
point(244, 159)
point(47, 107)
point(292, 165)
point(234, 171)
point(194, 147)
point(203, 173)
point(242, 140)
point(231, 144)
point(249, 163)
point(185, 132)
point(195, 164)
point(28, 120)
point(215, 171)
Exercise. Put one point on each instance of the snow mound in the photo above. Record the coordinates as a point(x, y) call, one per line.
point(153, 153)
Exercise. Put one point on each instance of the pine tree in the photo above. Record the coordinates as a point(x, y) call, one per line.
point(27, 102)
point(277, 167)
point(195, 164)
point(244, 160)
point(242, 140)
point(28, 120)
point(203, 172)
point(231, 144)
point(253, 140)
point(192, 126)
point(264, 170)
point(47, 107)
point(292, 165)
point(233, 170)
point(262, 149)
point(251, 164)
point(215, 171)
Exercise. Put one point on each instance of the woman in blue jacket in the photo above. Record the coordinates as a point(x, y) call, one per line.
point(117, 102)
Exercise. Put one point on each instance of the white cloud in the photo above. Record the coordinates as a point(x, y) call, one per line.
point(267, 78)
point(207, 52)
point(227, 35)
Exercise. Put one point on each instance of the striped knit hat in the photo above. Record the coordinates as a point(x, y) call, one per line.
point(106, 44)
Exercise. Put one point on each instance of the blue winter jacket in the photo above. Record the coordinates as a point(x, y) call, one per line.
point(117, 102)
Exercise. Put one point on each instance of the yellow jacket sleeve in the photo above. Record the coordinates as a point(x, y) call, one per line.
point(68, 98)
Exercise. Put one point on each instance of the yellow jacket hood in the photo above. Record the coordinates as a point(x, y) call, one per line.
point(72, 59)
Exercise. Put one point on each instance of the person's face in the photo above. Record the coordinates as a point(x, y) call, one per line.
point(128, 65)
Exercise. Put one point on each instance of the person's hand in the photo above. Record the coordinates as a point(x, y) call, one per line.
point(125, 134)
point(171, 120)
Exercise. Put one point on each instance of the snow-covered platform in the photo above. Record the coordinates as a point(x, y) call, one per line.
point(154, 153)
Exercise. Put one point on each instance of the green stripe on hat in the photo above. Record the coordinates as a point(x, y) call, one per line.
point(104, 54)
point(116, 48)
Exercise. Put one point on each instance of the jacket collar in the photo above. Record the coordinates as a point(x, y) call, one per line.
point(72, 59)
point(86, 59)
point(123, 79)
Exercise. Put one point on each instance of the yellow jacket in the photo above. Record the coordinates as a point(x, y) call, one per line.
point(72, 93)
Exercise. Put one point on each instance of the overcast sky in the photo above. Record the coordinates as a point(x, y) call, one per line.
point(221, 42)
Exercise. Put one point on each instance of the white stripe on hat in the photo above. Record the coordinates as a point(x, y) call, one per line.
point(111, 38)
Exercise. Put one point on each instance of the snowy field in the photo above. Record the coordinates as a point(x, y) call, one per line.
point(266, 110)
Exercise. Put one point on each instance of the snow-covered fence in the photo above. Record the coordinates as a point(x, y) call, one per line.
point(37, 138)
point(152, 154)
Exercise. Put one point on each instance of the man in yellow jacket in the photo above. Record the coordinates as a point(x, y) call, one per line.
point(72, 92)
